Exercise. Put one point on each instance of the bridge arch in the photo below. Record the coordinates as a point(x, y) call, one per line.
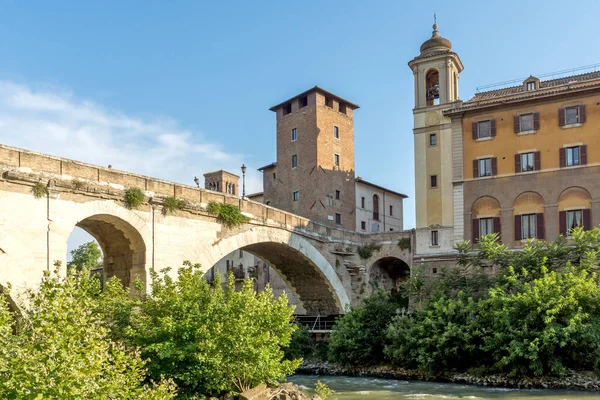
point(308, 273)
point(122, 235)
point(387, 272)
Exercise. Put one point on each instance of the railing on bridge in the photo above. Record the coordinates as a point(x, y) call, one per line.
point(316, 323)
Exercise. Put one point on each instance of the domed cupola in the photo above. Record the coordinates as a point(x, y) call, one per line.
point(436, 42)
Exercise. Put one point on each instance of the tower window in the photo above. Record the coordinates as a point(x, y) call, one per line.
point(391, 211)
point(337, 194)
point(363, 225)
point(303, 101)
point(343, 108)
point(433, 139)
point(434, 238)
point(338, 218)
point(336, 160)
point(376, 208)
point(294, 134)
point(432, 85)
point(274, 175)
point(287, 108)
point(328, 101)
point(433, 181)
point(296, 195)
point(362, 202)
point(294, 161)
point(336, 132)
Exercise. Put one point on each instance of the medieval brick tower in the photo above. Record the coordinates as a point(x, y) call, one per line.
point(314, 172)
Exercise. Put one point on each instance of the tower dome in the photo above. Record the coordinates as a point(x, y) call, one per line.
point(436, 42)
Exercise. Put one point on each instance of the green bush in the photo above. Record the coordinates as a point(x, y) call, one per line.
point(322, 390)
point(209, 340)
point(404, 243)
point(134, 197)
point(39, 190)
point(358, 337)
point(227, 214)
point(172, 204)
point(301, 345)
point(62, 348)
point(540, 315)
point(366, 251)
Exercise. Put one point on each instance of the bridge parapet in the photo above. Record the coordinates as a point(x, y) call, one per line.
point(28, 166)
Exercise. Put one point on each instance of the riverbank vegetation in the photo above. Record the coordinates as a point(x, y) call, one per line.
point(188, 339)
point(525, 313)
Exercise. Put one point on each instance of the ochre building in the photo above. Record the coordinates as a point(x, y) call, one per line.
point(520, 161)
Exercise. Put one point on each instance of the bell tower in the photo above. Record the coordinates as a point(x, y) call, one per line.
point(436, 70)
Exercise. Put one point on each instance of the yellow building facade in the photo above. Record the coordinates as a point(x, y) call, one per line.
point(520, 161)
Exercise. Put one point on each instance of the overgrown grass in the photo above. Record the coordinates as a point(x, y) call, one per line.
point(172, 204)
point(366, 251)
point(404, 243)
point(39, 190)
point(227, 214)
point(134, 197)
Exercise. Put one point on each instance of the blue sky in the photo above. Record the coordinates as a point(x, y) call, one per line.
point(176, 88)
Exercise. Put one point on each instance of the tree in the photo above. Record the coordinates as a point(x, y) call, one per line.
point(87, 255)
point(61, 347)
point(211, 340)
point(539, 315)
point(359, 336)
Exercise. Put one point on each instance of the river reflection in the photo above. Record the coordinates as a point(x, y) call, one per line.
point(351, 388)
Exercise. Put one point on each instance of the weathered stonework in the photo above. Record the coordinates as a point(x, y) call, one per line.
point(34, 232)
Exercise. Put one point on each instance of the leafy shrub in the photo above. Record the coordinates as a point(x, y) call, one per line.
point(39, 190)
point(404, 243)
point(322, 390)
point(227, 214)
point(62, 348)
point(366, 251)
point(301, 345)
point(172, 204)
point(358, 337)
point(209, 340)
point(437, 339)
point(540, 315)
point(134, 197)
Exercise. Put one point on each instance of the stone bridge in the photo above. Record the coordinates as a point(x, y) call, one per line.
point(319, 263)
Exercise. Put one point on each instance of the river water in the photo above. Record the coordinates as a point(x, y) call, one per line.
point(354, 388)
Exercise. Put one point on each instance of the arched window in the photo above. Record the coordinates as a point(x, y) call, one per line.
point(376, 207)
point(432, 85)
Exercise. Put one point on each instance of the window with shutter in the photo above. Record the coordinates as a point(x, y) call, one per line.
point(475, 230)
point(526, 123)
point(518, 163)
point(574, 219)
point(582, 114)
point(494, 166)
point(485, 167)
point(536, 121)
point(528, 226)
point(537, 160)
point(486, 226)
point(583, 154)
point(497, 227)
point(562, 222)
point(562, 157)
point(517, 227)
point(527, 162)
point(573, 156)
point(561, 117)
point(572, 115)
point(541, 232)
point(484, 129)
point(587, 219)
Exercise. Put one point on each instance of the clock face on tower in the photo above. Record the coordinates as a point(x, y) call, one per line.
point(432, 118)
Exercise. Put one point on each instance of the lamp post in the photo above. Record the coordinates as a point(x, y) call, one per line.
point(243, 181)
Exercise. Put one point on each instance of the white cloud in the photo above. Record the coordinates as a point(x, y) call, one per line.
point(54, 121)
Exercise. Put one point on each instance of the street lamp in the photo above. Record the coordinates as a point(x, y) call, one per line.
point(243, 181)
point(197, 181)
